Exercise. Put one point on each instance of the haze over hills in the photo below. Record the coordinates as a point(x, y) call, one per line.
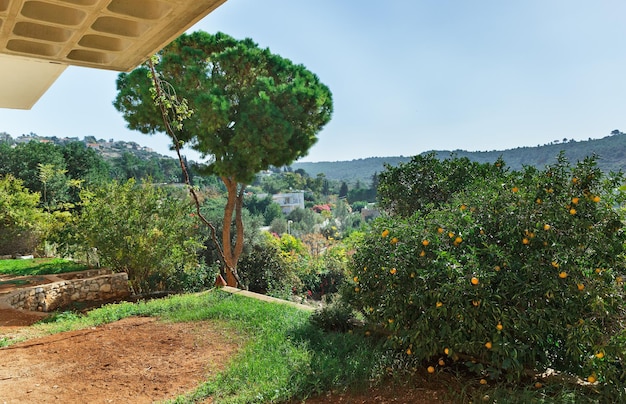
point(611, 152)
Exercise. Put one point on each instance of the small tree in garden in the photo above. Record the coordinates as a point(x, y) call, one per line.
point(251, 110)
point(142, 230)
point(513, 274)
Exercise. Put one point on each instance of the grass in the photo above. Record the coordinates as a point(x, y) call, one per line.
point(285, 357)
point(38, 266)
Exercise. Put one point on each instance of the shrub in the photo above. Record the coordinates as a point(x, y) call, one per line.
point(516, 274)
point(335, 315)
point(142, 230)
point(267, 268)
point(22, 223)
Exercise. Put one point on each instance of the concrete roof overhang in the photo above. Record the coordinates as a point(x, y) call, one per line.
point(40, 38)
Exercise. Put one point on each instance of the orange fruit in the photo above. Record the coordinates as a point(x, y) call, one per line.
point(356, 278)
point(483, 381)
point(458, 240)
point(581, 287)
point(476, 303)
point(430, 369)
point(563, 275)
point(596, 199)
point(555, 264)
point(357, 289)
point(488, 345)
point(575, 200)
point(393, 271)
point(442, 362)
point(538, 385)
point(446, 351)
point(499, 327)
point(385, 233)
point(591, 379)
point(497, 268)
point(438, 304)
point(546, 227)
point(515, 190)
point(463, 207)
point(422, 253)
point(408, 351)
point(394, 240)
point(475, 281)
point(572, 211)
point(525, 241)
point(425, 243)
point(439, 230)
point(600, 355)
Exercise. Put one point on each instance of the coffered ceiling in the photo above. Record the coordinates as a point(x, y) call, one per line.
point(40, 38)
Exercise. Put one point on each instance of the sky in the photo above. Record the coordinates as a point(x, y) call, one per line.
point(407, 76)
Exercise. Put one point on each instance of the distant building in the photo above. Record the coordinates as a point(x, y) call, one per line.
point(288, 201)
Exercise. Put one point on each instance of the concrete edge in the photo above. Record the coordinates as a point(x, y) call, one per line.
point(265, 298)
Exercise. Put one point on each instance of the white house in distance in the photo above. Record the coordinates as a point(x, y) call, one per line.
point(288, 201)
point(40, 38)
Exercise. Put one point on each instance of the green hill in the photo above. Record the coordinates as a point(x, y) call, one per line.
point(611, 152)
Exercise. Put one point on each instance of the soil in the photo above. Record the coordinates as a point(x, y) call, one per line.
point(135, 360)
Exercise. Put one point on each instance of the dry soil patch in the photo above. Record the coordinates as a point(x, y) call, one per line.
point(135, 360)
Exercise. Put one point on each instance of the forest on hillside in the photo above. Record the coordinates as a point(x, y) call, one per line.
point(611, 152)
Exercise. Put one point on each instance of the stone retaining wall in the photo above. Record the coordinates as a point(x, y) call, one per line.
point(59, 294)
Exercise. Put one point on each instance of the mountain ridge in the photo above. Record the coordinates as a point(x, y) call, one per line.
point(611, 152)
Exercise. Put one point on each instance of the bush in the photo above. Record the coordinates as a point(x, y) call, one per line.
point(515, 274)
point(22, 224)
point(267, 269)
point(142, 230)
point(336, 315)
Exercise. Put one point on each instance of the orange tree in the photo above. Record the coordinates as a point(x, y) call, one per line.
point(514, 274)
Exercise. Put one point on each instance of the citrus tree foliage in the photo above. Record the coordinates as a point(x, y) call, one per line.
point(142, 230)
point(426, 182)
point(251, 110)
point(22, 222)
point(513, 274)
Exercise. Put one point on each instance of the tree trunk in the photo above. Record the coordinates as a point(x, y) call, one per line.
point(232, 253)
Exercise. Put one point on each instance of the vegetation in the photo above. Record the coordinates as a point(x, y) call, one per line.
point(610, 151)
point(247, 119)
point(22, 223)
point(39, 266)
point(511, 274)
point(147, 231)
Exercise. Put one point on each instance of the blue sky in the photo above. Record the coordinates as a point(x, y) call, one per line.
point(407, 76)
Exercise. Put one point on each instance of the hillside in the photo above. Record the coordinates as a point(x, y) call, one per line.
point(611, 151)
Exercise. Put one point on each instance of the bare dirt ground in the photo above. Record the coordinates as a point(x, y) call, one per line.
point(135, 360)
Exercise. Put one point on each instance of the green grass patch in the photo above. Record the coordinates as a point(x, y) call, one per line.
point(39, 266)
